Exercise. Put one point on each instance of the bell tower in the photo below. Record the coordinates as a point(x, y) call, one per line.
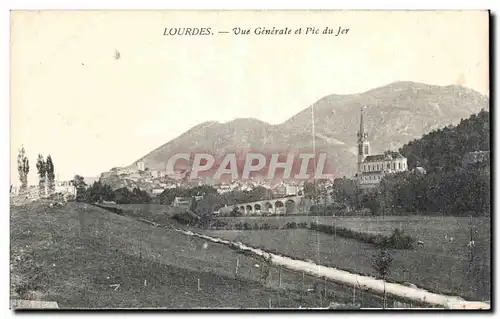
point(363, 144)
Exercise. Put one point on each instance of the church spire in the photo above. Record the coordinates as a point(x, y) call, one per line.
point(363, 144)
point(361, 124)
point(361, 133)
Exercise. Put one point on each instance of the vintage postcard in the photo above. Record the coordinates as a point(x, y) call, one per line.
point(250, 160)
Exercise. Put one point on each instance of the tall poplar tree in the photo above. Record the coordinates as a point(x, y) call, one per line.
point(42, 172)
point(50, 175)
point(23, 168)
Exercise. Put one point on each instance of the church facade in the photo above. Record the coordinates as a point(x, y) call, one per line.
point(372, 168)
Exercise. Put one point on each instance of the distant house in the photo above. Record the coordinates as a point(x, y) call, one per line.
point(184, 202)
point(135, 176)
point(154, 173)
point(140, 165)
point(291, 190)
point(14, 190)
point(66, 188)
point(157, 191)
point(279, 190)
point(420, 170)
point(221, 189)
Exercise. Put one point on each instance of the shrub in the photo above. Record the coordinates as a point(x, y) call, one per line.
point(302, 225)
point(235, 213)
point(397, 240)
point(186, 218)
point(265, 226)
point(400, 241)
point(219, 224)
point(115, 210)
point(290, 225)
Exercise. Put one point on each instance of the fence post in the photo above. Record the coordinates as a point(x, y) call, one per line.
point(324, 284)
point(279, 277)
point(237, 266)
point(354, 294)
point(383, 302)
point(302, 285)
point(140, 251)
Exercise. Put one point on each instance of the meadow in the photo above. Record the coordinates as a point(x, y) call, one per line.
point(440, 265)
point(82, 256)
point(160, 213)
point(73, 254)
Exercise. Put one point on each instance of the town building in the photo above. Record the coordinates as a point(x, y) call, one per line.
point(475, 157)
point(292, 189)
point(154, 173)
point(419, 170)
point(372, 168)
point(157, 191)
point(66, 188)
point(279, 190)
point(184, 202)
point(224, 188)
point(140, 166)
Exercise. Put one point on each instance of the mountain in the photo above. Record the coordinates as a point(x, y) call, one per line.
point(394, 115)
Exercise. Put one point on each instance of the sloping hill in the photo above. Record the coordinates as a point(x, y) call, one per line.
point(395, 114)
point(78, 254)
point(446, 147)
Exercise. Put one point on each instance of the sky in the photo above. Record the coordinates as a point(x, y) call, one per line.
point(72, 98)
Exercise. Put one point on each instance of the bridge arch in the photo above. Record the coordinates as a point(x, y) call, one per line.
point(249, 208)
point(268, 207)
point(257, 207)
point(290, 206)
point(279, 207)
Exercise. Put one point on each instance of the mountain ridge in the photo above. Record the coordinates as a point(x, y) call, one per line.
point(394, 114)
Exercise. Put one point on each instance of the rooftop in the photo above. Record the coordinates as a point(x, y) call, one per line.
point(387, 156)
point(372, 173)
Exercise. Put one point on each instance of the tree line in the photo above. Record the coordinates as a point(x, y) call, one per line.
point(100, 192)
point(462, 192)
point(443, 149)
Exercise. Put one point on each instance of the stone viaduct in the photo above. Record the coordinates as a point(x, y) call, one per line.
point(276, 206)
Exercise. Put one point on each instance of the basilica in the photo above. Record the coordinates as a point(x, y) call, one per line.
point(372, 168)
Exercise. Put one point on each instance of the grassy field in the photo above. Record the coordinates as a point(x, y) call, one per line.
point(73, 254)
point(160, 213)
point(440, 265)
point(431, 230)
